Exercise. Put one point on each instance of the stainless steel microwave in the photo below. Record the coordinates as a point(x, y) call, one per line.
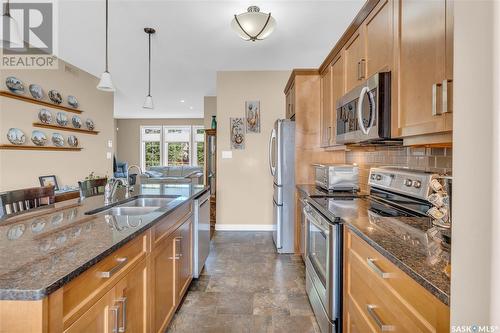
point(364, 113)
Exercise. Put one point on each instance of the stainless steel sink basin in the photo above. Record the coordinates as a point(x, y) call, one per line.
point(129, 211)
point(148, 202)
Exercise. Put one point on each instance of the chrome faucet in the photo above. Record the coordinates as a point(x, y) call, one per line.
point(110, 189)
point(128, 172)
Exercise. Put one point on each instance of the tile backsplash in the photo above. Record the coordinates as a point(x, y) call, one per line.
point(438, 160)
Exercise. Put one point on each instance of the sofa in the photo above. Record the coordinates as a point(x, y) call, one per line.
point(173, 175)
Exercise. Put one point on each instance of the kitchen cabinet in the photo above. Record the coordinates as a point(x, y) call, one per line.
point(425, 67)
point(355, 60)
point(379, 296)
point(184, 254)
point(379, 35)
point(326, 107)
point(290, 103)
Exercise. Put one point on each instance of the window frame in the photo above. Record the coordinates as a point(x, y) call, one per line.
point(142, 146)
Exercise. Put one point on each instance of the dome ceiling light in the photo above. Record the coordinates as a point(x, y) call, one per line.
point(106, 84)
point(253, 25)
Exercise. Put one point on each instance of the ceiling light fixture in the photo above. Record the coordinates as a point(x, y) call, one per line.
point(253, 25)
point(106, 84)
point(182, 101)
point(148, 102)
point(14, 40)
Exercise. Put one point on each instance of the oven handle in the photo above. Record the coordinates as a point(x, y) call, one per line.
point(366, 91)
point(324, 232)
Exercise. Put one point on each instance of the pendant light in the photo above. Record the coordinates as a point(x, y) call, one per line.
point(106, 84)
point(148, 102)
point(14, 40)
point(253, 25)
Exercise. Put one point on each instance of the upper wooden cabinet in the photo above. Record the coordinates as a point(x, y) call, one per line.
point(355, 60)
point(338, 90)
point(326, 107)
point(290, 102)
point(379, 36)
point(425, 67)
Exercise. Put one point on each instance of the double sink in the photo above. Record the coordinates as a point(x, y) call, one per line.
point(135, 207)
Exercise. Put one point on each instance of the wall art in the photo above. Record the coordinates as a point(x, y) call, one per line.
point(252, 112)
point(237, 127)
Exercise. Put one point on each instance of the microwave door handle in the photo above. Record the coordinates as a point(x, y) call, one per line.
point(366, 91)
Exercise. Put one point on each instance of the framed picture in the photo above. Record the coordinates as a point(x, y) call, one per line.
point(252, 113)
point(49, 181)
point(237, 133)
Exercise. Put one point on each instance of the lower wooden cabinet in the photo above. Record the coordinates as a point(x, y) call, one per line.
point(184, 258)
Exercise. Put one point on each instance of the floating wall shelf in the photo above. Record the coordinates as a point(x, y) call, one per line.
point(36, 101)
point(64, 128)
point(46, 148)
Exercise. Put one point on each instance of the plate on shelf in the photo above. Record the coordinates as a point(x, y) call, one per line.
point(45, 116)
point(72, 101)
point(55, 96)
point(16, 136)
point(62, 119)
point(76, 121)
point(58, 140)
point(15, 85)
point(36, 91)
point(38, 138)
point(90, 124)
point(16, 231)
point(72, 141)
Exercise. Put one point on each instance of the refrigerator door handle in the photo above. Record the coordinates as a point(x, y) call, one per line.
point(272, 140)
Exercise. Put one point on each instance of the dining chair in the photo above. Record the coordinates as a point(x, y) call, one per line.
point(21, 201)
point(92, 187)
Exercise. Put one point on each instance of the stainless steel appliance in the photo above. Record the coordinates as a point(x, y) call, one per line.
point(324, 269)
point(336, 177)
point(282, 165)
point(364, 113)
point(201, 233)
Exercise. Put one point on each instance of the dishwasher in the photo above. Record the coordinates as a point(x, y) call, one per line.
point(201, 233)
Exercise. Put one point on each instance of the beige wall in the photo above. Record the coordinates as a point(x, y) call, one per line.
point(244, 184)
point(21, 169)
point(209, 109)
point(129, 135)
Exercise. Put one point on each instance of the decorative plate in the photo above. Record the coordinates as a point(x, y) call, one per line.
point(36, 91)
point(45, 116)
point(76, 121)
point(15, 85)
point(72, 141)
point(55, 96)
point(57, 140)
point(90, 124)
point(16, 136)
point(72, 101)
point(38, 225)
point(16, 232)
point(62, 119)
point(38, 138)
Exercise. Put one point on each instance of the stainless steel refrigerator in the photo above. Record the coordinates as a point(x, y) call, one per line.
point(282, 165)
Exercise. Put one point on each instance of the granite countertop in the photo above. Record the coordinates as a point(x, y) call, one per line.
point(39, 254)
point(404, 240)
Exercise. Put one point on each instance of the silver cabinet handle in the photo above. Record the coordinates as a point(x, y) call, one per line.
point(445, 95)
point(376, 269)
point(434, 99)
point(359, 75)
point(120, 263)
point(383, 327)
point(123, 326)
point(114, 310)
point(362, 68)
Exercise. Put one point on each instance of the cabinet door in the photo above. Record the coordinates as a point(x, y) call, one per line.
point(162, 292)
point(337, 92)
point(422, 68)
point(379, 38)
point(355, 62)
point(184, 264)
point(130, 296)
point(326, 107)
point(101, 317)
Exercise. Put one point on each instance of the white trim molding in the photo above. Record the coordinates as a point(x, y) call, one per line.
point(244, 227)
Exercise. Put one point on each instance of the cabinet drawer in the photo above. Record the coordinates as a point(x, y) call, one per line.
point(79, 295)
point(356, 321)
point(170, 223)
point(404, 290)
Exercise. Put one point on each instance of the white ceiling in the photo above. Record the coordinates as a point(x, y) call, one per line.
point(193, 41)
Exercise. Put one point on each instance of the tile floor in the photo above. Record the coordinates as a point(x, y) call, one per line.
point(246, 287)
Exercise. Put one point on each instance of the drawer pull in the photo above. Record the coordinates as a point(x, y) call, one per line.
point(376, 269)
point(120, 263)
point(383, 327)
point(123, 326)
point(114, 310)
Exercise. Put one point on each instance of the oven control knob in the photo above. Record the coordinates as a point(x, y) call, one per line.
point(372, 176)
point(408, 182)
point(378, 177)
point(417, 184)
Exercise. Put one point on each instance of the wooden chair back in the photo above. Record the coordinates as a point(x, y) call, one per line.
point(93, 187)
point(20, 201)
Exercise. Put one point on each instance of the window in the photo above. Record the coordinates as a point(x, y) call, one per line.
point(172, 145)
